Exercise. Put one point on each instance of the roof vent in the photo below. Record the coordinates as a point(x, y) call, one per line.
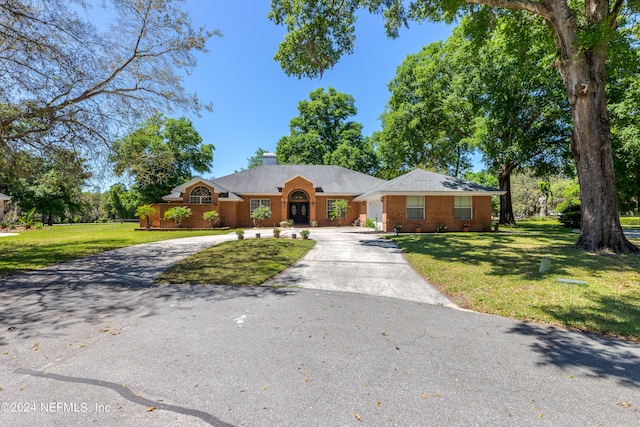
point(269, 159)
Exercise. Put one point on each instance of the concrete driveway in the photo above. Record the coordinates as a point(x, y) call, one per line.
point(348, 260)
point(94, 342)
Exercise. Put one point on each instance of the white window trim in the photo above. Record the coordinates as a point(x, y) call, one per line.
point(457, 199)
point(417, 206)
point(197, 200)
point(330, 203)
point(259, 202)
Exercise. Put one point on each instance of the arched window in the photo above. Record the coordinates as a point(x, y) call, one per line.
point(298, 195)
point(200, 195)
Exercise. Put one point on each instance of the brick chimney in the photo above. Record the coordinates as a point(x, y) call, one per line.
point(269, 159)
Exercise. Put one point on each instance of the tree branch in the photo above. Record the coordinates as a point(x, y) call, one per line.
point(530, 6)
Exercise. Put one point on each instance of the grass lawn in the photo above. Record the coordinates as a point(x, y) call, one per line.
point(39, 248)
point(239, 262)
point(499, 273)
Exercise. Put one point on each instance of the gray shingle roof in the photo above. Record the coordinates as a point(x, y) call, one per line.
point(334, 180)
point(267, 179)
point(422, 181)
point(4, 197)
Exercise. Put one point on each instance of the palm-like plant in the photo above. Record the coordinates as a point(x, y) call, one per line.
point(213, 217)
point(259, 214)
point(146, 212)
point(177, 214)
point(339, 212)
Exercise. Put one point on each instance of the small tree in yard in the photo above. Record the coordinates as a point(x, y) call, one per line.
point(339, 211)
point(260, 214)
point(146, 212)
point(213, 217)
point(177, 214)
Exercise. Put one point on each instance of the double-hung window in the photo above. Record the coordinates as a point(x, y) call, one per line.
point(256, 203)
point(462, 207)
point(415, 207)
point(331, 209)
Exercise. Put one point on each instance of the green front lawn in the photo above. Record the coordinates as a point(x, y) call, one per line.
point(498, 273)
point(239, 262)
point(39, 248)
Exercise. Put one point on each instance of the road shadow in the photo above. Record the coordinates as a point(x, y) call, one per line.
point(35, 310)
point(601, 357)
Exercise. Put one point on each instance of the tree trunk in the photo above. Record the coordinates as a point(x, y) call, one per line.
point(584, 77)
point(543, 205)
point(506, 207)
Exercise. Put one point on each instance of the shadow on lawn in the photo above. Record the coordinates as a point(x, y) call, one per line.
point(600, 357)
point(607, 314)
point(505, 254)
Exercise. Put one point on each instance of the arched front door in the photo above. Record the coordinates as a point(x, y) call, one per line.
point(299, 207)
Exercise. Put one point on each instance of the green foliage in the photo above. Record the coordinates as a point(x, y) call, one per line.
point(51, 184)
point(339, 210)
point(177, 214)
point(571, 216)
point(630, 221)
point(256, 160)
point(324, 134)
point(120, 203)
point(260, 214)
point(370, 223)
point(213, 217)
point(570, 196)
point(305, 233)
point(161, 155)
point(146, 211)
point(28, 219)
point(488, 180)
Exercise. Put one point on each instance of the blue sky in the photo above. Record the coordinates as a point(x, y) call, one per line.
point(253, 98)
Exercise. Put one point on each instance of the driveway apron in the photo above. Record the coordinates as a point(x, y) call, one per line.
point(349, 261)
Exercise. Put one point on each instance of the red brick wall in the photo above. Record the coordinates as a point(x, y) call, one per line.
point(437, 210)
point(353, 212)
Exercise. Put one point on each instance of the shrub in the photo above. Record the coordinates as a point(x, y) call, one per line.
point(630, 220)
point(260, 214)
point(178, 214)
point(370, 223)
point(28, 219)
point(213, 217)
point(571, 216)
point(146, 212)
point(304, 233)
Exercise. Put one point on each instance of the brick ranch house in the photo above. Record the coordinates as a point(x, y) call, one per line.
point(306, 193)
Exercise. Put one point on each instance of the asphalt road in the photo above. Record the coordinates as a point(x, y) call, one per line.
point(94, 342)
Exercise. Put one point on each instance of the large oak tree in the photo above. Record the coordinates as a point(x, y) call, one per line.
point(324, 133)
point(321, 31)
